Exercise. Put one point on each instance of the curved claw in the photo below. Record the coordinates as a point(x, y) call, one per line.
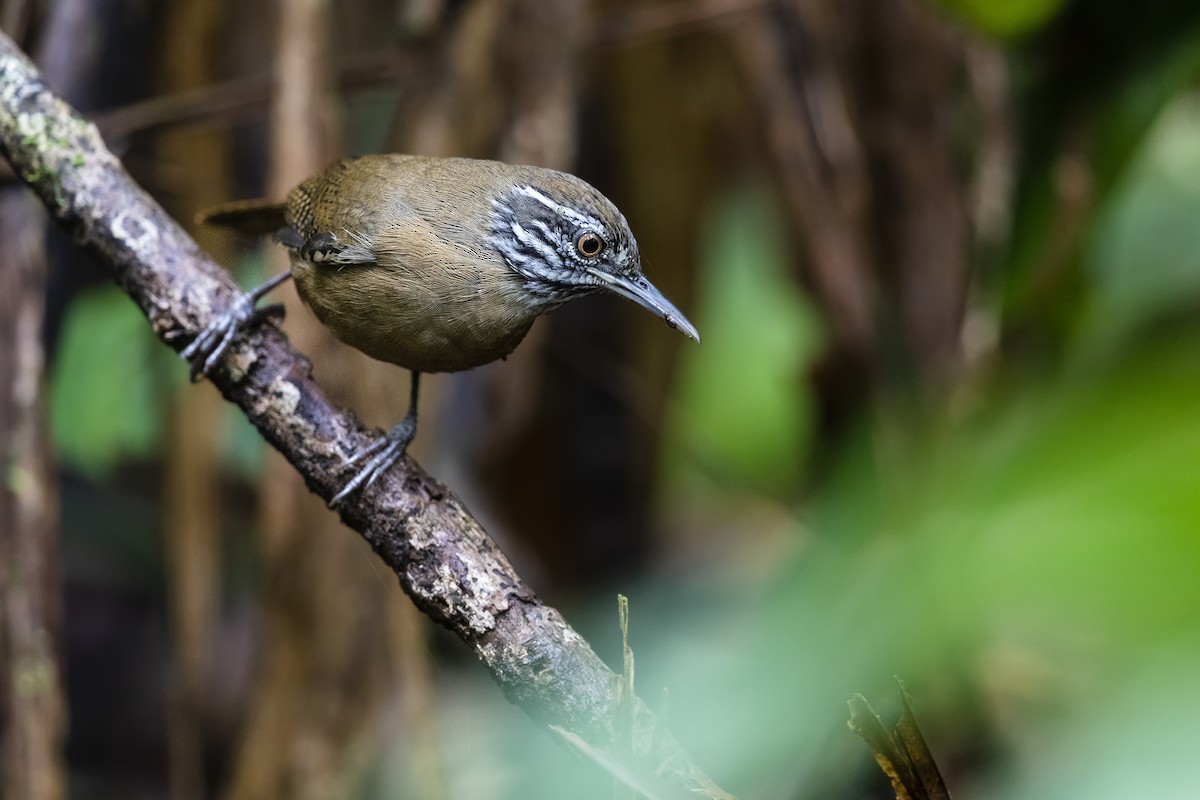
point(206, 349)
point(384, 452)
point(210, 344)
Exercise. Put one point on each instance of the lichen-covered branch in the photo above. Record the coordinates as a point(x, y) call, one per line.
point(443, 558)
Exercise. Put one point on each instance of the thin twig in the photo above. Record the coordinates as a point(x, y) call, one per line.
point(648, 23)
point(236, 96)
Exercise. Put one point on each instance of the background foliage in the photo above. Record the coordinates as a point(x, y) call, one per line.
point(993, 492)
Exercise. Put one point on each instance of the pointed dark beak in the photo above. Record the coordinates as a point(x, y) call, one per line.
point(643, 292)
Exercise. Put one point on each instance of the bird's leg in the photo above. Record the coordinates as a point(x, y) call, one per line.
point(207, 348)
point(385, 451)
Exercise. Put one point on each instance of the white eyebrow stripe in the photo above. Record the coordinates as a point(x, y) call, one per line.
point(529, 191)
point(558, 208)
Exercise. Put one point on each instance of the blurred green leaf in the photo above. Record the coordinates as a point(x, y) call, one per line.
point(1008, 18)
point(742, 404)
point(1144, 256)
point(1018, 569)
point(1136, 107)
point(1085, 118)
point(1137, 743)
point(103, 405)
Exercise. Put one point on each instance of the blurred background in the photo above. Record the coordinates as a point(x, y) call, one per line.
point(945, 258)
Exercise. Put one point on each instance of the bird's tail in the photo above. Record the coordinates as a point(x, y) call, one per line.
point(253, 217)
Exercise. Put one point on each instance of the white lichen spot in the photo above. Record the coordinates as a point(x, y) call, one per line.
point(284, 395)
point(135, 232)
point(470, 594)
point(572, 637)
point(238, 362)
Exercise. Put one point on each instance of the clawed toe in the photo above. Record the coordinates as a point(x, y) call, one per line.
point(386, 454)
point(383, 453)
point(206, 350)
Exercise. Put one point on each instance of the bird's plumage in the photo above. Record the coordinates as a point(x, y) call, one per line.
point(421, 278)
point(435, 264)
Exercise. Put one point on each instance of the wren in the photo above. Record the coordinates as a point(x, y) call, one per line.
point(434, 264)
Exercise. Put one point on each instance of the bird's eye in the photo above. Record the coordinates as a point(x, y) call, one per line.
point(589, 245)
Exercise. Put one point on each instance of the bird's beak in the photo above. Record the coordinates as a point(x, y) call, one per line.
point(642, 292)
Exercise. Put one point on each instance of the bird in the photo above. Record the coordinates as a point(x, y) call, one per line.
point(434, 265)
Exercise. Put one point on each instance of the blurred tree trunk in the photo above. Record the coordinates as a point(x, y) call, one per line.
point(198, 156)
point(33, 713)
point(32, 702)
point(325, 673)
point(869, 160)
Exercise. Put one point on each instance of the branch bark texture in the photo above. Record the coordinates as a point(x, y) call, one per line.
point(443, 558)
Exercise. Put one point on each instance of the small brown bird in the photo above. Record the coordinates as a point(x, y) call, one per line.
point(434, 264)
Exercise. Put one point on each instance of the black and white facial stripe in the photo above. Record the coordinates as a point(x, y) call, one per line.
point(553, 243)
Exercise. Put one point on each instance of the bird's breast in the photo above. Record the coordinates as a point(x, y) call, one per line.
point(430, 317)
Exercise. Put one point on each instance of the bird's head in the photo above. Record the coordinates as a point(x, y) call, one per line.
point(564, 239)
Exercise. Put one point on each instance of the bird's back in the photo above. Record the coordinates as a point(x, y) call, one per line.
point(454, 195)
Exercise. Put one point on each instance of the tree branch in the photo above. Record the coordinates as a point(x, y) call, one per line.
point(443, 558)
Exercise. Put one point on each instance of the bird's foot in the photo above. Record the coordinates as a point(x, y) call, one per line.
point(207, 348)
point(383, 453)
